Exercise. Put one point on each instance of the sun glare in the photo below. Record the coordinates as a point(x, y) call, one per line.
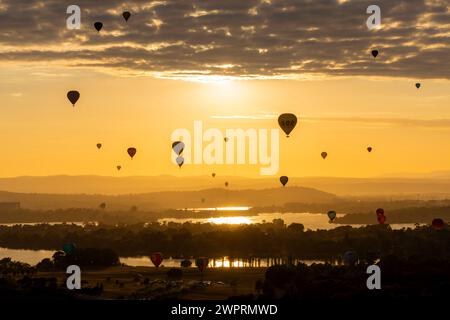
point(230, 220)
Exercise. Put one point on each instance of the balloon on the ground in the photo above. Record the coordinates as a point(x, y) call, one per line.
point(201, 263)
point(73, 96)
point(350, 258)
point(131, 152)
point(69, 248)
point(284, 180)
point(178, 147)
point(438, 224)
point(156, 258)
point(98, 26)
point(287, 122)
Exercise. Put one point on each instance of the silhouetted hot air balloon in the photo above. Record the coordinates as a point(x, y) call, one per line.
point(213, 174)
point(201, 263)
point(131, 152)
point(178, 147)
point(102, 205)
point(369, 149)
point(156, 258)
point(226, 184)
point(284, 180)
point(350, 258)
point(98, 26)
point(332, 215)
point(374, 53)
point(225, 139)
point(69, 248)
point(73, 96)
point(418, 85)
point(118, 168)
point(438, 224)
point(287, 122)
point(180, 161)
point(99, 145)
point(126, 15)
point(324, 154)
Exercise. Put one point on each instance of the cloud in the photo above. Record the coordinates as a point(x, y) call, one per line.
point(259, 39)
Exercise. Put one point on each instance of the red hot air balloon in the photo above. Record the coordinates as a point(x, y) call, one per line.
point(156, 258)
point(131, 152)
point(73, 96)
point(438, 224)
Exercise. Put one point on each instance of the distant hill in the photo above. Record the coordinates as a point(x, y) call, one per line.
point(434, 185)
point(172, 199)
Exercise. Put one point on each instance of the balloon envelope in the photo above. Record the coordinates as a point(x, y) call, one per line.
point(126, 15)
point(213, 175)
point(99, 145)
point(417, 85)
point(369, 149)
point(324, 154)
point(374, 53)
point(287, 122)
point(332, 215)
point(180, 161)
point(437, 224)
point(226, 184)
point(73, 96)
point(131, 152)
point(178, 147)
point(69, 248)
point(119, 167)
point(103, 205)
point(98, 26)
point(156, 258)
point(380, 211)
point(284, 180)
point(201, 263)
point(350, 258)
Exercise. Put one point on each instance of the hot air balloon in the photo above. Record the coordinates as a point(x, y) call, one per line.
point(178, 147)
point(131, 152)
point(418, 85)
point(102, 205)
point(73, 96)
point(287, 122)
point(324, 154)
point(99, 145)
point(380, 211)
point(226, 184)
point(374, 53)
point(156, 258)
point(350, 258)
point(98, 26)
point(126, 15)
point(213, 174)
point(381, 218)
point(369, 149)
point(201, 263)
point(118, 168)
point(332, 215)
point(284, 180)
point(180, 161)
point(69, 248)
point(438, 224)
point(225, 139)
